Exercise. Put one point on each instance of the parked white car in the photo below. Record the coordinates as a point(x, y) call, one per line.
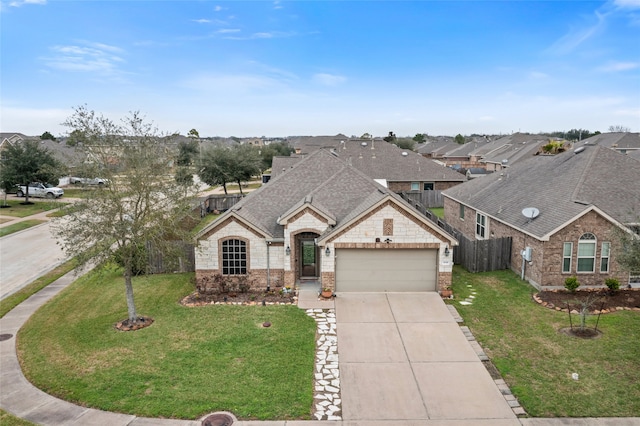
point(40, 190)
point(88, 181)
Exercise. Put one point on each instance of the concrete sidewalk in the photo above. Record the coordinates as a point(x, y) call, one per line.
point(21, 398)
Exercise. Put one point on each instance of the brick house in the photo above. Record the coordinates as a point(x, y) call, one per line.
point(584, 197)
point(325, 221)
point(401, 170)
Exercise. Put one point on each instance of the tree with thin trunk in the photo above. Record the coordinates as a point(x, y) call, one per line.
point(247, 163)
point(142, 205)
point(215, 167)
point(28, 161)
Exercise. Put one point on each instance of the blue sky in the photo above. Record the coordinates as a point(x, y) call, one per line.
point(279, 68)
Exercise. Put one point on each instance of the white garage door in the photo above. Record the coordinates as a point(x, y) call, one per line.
point(371, 270)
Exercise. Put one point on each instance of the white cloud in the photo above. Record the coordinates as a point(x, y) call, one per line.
point(577, 36)
point(537, 75)
point(619, 66)
point(218, 9)
point(329, 79)
point(627, 4)
point(18, 3)
point(202, 21)
point(277, 4)
point(89, 57)
point(228, 31)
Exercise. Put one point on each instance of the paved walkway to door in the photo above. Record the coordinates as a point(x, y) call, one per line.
point(403, 358)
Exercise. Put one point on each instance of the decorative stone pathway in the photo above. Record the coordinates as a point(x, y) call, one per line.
point(326, 397)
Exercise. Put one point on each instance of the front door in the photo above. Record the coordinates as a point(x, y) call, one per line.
point(309, 256)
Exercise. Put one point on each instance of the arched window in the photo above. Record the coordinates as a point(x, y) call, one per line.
point(587, 253)
point(234, 257)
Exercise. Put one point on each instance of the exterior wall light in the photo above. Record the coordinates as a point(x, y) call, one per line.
point(287, 251)
point(446, 251)
point(327, 252)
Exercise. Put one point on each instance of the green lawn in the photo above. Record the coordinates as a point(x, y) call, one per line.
point(19, 226)
point(7, 419)
point(191, 361)
point(537, 361)
point(438, 211)
point(19, 210)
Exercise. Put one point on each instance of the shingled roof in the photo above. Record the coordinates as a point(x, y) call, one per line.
point(562, 187)
point(382, 160)
point(320, 180)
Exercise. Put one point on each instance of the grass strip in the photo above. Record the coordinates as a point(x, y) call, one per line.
point(23, 294)
point(189, 362)
point(16, 209)
point(523, 340)
point(20, 226)
point(7, 419)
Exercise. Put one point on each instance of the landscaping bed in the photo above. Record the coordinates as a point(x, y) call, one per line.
point(601, 300)
point(240, 298)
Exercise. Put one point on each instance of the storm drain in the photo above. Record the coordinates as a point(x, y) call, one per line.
point(218, 419)
point(5, 337)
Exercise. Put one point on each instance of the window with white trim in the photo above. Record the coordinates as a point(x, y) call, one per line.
point(587, 253)
point(234, 257)
point(604, 256)
point(428, 186)
point(481, 225)
point(567, 251)
point(415, 186)
point(462, 211)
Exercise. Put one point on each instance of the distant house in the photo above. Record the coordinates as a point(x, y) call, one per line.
point(399, 169)
point(7, 139)
point(583, 197)
point(624, 143)
point(326, 221)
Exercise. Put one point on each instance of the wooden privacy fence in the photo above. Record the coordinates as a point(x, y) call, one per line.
point(427, 199)
point(221, 202)
point(474, 255)
point(182, 259)
point(483, 255)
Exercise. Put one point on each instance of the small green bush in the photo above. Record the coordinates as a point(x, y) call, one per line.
point(571, 284)
point(612, 283)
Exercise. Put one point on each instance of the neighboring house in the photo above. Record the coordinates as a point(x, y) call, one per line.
point(584, 197)
point(401, 170)
point(324, 220)
point(510, 150)
point(625, 143)
point(309, 144)
point(9, 139)
point(476, 172)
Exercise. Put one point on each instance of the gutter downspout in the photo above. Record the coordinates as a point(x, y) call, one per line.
point(268, 268)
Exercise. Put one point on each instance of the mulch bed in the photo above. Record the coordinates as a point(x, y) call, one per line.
point(141, 322)
point(605, 301)
point(248, 298)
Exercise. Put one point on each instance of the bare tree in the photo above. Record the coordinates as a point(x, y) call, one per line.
point(618, 128)
point(141, 205)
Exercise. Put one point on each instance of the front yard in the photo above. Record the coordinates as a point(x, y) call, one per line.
point(190, 362)
point(523, 340)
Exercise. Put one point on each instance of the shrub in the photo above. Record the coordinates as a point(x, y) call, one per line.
point(571, 284)
point(612, 284)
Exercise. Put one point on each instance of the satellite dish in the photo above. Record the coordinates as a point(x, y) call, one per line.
point(530, 213)
point(404, 153)
point(579, 150)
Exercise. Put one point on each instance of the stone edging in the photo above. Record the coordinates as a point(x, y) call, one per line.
point(574, 311)
point(327, 402)
point(500, 383)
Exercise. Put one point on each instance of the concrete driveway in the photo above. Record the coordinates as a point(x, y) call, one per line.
point(405, 360)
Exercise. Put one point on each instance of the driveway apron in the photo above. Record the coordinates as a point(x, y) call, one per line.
point(403, 357)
